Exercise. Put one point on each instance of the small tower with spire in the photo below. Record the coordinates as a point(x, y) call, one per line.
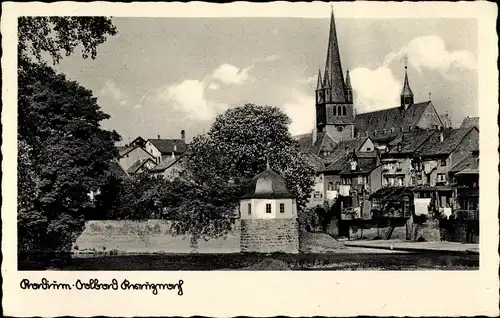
point(406, 93)
point(348, 87)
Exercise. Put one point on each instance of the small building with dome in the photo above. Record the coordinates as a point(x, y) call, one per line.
point(268, 212)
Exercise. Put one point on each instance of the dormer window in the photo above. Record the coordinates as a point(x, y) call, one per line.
point(375, 132)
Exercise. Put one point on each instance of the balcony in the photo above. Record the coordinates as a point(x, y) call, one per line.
point(468, 215)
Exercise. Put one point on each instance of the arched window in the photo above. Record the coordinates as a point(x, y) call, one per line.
point(344, 110)
point(334, 110)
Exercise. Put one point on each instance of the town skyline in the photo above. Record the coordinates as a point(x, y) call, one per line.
point(163, 97)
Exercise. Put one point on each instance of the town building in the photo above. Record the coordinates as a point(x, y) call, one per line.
point(162, 149)
point(131, 155)
point(268, 213)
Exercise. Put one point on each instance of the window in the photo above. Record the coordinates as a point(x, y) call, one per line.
point(340, 128)
point(317, 194)
point(268, 207)
point(392, 129)
point(368, 149)
point(330, 186)
point(249, 208)
point(344, 110)
point(334, 110)
point(282, 207)
point(360, 180)
point(443, 162)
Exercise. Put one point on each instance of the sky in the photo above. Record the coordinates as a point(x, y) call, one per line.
point(158, 76)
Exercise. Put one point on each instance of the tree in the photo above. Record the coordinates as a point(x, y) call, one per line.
point(221, 163)
point(63, 153)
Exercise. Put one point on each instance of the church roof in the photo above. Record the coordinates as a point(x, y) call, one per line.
point(334, 77)
point(267, 185)
point(470, 122)
point(390, 118)
point(451, 139)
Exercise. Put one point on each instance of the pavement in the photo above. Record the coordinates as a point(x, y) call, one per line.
point(398, 245)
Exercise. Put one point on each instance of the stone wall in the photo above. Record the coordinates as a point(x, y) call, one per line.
point(268, 236)
point(148, 236)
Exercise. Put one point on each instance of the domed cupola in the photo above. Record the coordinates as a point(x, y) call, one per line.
point(267, 185)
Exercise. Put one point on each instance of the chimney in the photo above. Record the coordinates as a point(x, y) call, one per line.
point(441, 136)
point(183, 135)
point(159, 137)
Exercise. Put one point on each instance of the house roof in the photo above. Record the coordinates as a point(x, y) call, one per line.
point(138, 164)
point(165, 164)
point(323, 143)
point(409, 142)
point(267, 185)
point(124, 150)
point(468, 171)
point(445, 119)
point(452, 138)
point(166, 146)
point(470, 122)
point(390, 118)
point(469, 162)
point(315, 161)
point(343, 148)
point(116, 169)
point(365, 165)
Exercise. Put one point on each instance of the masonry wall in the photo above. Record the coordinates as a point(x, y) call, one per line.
point(268, 236)
point(148, 236)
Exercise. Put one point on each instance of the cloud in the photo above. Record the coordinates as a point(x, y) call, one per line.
point(309, 80)
point(230, 74)
point(189, 97)
point(273, 57)
point(430, 52)
point(374, 89)
point(301, 110)
point(111, 89)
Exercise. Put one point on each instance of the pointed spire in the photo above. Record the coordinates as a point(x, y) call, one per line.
point(326, 80)
point(347, 80)
point(320, 84)
point(406, 93)
point(406, 86)
point(333, 66)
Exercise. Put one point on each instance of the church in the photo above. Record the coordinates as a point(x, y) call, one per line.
point(336, 118)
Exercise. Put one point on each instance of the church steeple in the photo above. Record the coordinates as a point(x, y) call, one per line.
point(320, 80)
point(333, 66)
point(406, 93)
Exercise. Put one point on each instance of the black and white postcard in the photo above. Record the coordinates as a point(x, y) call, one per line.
point(256, 159)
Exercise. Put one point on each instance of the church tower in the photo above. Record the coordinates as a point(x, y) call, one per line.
point(334, 102)
point(406, 93)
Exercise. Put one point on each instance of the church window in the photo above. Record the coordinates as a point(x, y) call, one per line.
point(282, 207)
point(334, 110)
point(340, 128)
point(268, 207)
point(249, 208)
point(344, 110)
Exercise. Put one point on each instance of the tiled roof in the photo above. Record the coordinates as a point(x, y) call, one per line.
point(116, 169)
point(470, 122)
point(445, 119)
point(469, 162)
point(344, 147)
point(409, 142)
point(390, 118)
point(123, 150)
point(137, 165)
point(166, 146)
point(315, 161)
point(365, 165)
point(451, 140)
point(165, 164)
point(323, 143)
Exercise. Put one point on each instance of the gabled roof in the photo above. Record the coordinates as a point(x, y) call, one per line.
point(364, 165)
point(452, 138)
point(117, 170)
point(469, 162)
point(409, 141)
point(138, 164)
point(344, 147)
point(165, 164)
point(166, 146)
point(323, 143)
point(390, 118)
point(470, 122)
point(124, 150)
point(315, 161)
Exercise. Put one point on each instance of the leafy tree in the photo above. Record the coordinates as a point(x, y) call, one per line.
point(221, 163)
point(63, 152)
